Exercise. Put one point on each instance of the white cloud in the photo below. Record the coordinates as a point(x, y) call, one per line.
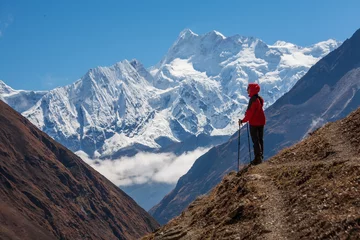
point(171, 172)
point(145, 167)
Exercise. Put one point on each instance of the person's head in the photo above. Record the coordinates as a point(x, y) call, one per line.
point(252, 89)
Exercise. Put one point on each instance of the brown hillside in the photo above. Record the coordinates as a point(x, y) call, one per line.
point(47, 192)
point(308, 191)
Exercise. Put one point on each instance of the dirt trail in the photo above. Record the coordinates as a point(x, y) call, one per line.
point(273, 214)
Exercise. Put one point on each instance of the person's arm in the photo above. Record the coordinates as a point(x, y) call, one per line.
point(250, 111)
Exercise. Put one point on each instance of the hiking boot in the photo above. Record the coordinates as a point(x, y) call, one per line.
point(257, 160)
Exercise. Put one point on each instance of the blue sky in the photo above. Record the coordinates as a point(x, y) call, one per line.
point(45, 44)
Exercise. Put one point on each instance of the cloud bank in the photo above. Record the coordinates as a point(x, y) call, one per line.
point(145, 167)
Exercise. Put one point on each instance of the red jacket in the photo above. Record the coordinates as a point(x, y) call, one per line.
point(255, 113)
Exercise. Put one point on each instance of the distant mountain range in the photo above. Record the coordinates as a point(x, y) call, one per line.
point(199, 87)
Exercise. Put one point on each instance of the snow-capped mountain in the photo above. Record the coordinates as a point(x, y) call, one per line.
point(102, 112)
point(199, 87)
point(20, 100)
point(235, 61)
point(228, 64)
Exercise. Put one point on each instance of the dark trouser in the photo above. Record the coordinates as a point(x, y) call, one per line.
point(257, 136)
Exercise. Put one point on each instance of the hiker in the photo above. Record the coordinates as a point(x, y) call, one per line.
point(255, 116)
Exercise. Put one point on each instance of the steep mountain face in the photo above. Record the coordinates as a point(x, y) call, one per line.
point(199, 87)
point(20, 100)
point(47, 192)
point(307, 191)
point(100, 113)
point(329, 91)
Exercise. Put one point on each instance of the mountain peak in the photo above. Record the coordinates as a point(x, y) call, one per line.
point(101, 69)
point(214, 33)
point(318, 49)
point(136, 64)
point(5, 89)
point(283, 44)
point(122, 63)
point(186, 33)
point(329, 42)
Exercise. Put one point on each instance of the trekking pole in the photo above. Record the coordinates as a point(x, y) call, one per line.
point(238, 168)
point(249, 141)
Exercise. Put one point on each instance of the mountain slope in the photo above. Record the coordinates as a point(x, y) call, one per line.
point(334, 83)
point(47, 192)
point(307, 191)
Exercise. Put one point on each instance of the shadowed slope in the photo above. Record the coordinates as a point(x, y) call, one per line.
point(47, 192)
